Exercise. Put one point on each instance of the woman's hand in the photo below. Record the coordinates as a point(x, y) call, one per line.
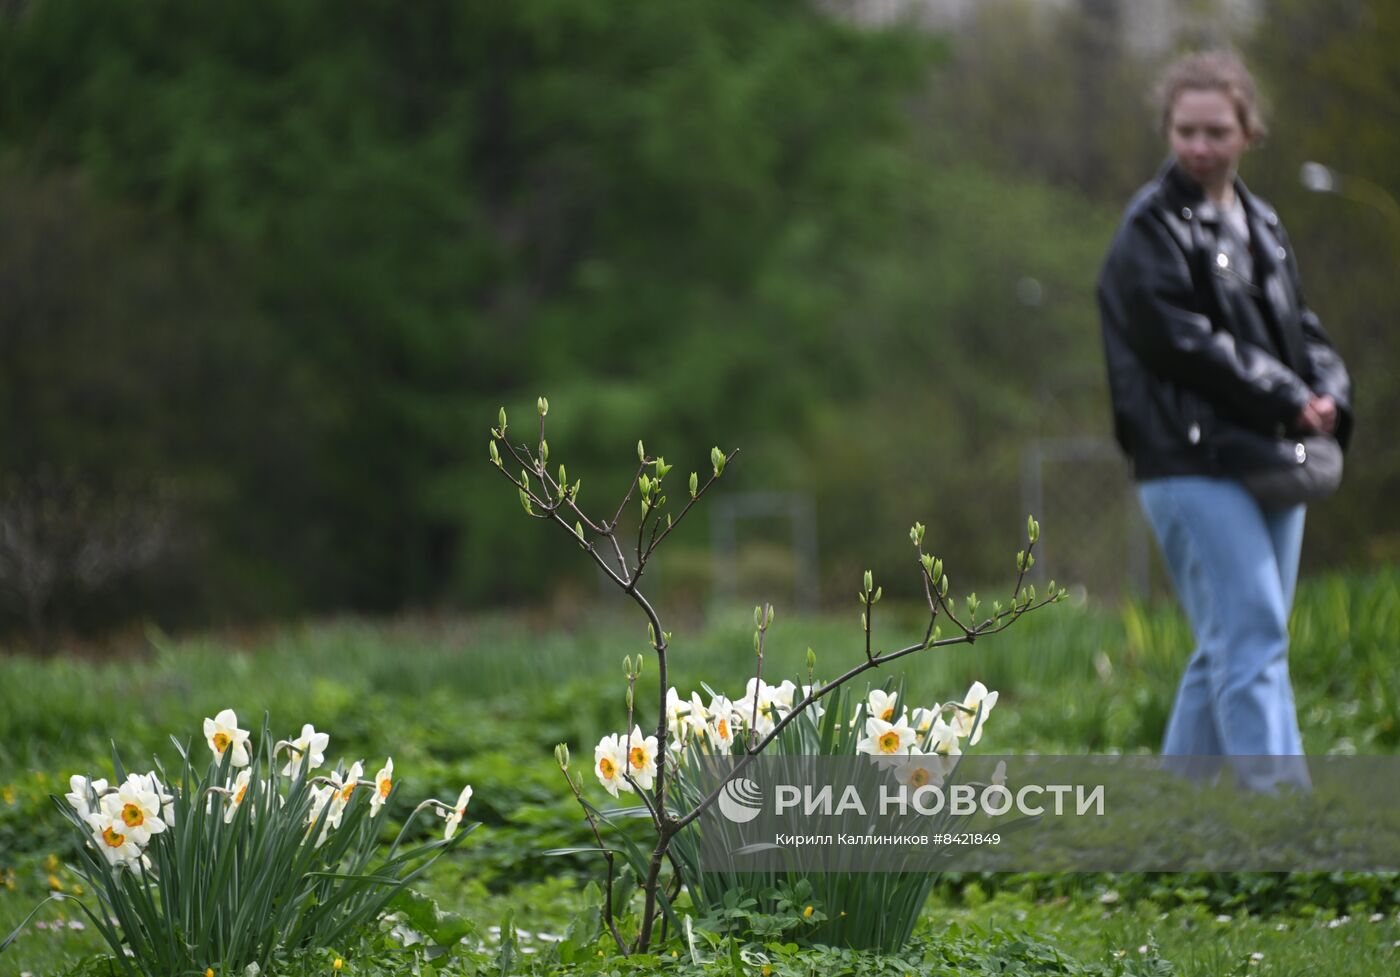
point(1319, 416)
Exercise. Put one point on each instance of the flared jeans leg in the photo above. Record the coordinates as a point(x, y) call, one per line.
point(1235, 567)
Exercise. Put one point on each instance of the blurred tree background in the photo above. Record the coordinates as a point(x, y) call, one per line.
point(268, 268)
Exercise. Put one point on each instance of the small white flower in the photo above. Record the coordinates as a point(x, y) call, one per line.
point(816, 710)
point(923, 770)
point(699, 717)
point(881, 704)
point(641, 756)
point(966, 719)
point(782, 694)
point(1143, 948)
point(1110, 897)
point(167, 801)
point(943, 740)
point(1224, 919)
point(999, 774)
point(344, 789)
point(1377, 917)
point(222, 734)
point(676, 726)
point(321, 796)
point(237, 791)
point(136, 807)
point(885, 738)
point(309, 744)
point(610, 764)
point(459, 811)
point(922, 719)
point(1255, 957)
point(78, 793)
point(383, 784)
point(722, 723)
point(111, 838)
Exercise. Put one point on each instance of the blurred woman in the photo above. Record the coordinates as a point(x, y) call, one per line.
point(1217, 368)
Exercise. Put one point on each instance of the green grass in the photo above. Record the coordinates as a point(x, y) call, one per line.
point(484, 700)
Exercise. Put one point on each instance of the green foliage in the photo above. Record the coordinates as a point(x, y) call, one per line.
point(429, 203)
point(228, 871)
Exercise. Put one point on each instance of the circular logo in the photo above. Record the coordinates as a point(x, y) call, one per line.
point(740, 800)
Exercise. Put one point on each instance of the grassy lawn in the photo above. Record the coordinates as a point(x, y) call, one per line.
point(483, 701)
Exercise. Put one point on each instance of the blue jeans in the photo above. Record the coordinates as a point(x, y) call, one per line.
point(1234, 566)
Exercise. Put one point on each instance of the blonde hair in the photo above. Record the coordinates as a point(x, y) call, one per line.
point(1212, 71)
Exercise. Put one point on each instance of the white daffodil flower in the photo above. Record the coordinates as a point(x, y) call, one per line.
point(237, 791)
point(699, 717)
point(78, 793)
point(383, 783)
point(222, 734)
point(309, 744)
point(641, 757)
point(722, 724)
point(999, 774)
point(769, 701)
point(676, 708)
point(167, 801)
point(610, 764)
point(884, 738)
point(321, 796)
point(881, 704)
point(923, 719)
point(922, 770)
point(965, 716)
point(816, 710)
point(136, 809)
point(942, 739)
point(458, 812)
point(782, 695)
point(344, 790)
point(110, 836)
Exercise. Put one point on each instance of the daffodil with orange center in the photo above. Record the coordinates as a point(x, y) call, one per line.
point(883, 738)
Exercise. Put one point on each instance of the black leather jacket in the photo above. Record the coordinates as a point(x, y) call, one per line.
point(1209, 372)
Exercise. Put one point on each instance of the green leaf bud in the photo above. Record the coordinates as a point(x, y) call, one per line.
point(641, 454)
point(578, 530)
point(561, 756)
point(864, 622)
point(662, 469)
point(757, 616)
point(495, 455)
point(631, 698)
point(768, 620)
point(1032, 529)
point(811, 661)
point(525, 503)
point(869, 581)
point(879, 592)
point(694, 485)
point(627, 666)
point(501, 420)
point(916, 534)
point(544, 454)
point(542, 405)
point(717, 461)
point(927, 561)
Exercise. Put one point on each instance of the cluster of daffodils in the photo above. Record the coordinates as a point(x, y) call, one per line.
point(924, 742)
point(123, 819)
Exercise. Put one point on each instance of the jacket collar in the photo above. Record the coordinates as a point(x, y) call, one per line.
point(1184, 195)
